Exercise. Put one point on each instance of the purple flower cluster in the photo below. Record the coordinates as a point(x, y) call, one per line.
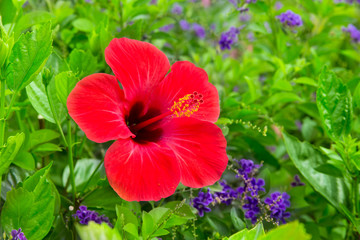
point(227, 195)
point(167, 28)
point(177, 9)
point(347, 1)
point(353, 31)
point(202, 202)
point(277, 204)
point(229, 38)
point(17, 235)
point(199, 30)
point(252, 208)
point(290, 19)
point(297, 182)
point(185, 25)
point(85, 215)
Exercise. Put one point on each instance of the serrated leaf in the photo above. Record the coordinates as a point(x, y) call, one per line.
point(95, 231)
point(306, 159)
point(82, 63)
point(290, 231)
point(334, 102)
point(246, 234)
point(8, 154)
point(64, 83)
point(28, 56)
point(36, 203)
point(39, 100)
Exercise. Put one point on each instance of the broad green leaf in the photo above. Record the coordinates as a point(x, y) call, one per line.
point(290, 231)
point(39, 100)
point(132, 229)
point(30, 207)
point(42, 136)
point(47, 147)
point(82, 63)
point(83, 24)
point(83, 170)
point(28, 57)
point(134, 31)
point(103, 197)
point(306, 81)
point(147, 226)
point(351, 54)
point(25, 160)
point(283, 97)
point(246, 234)
point(31, 19)
point(237, 222)
point(335, 104)
point(95, 231)
point(219, 225)
point(183, 211)
point(306, 159)
point(159, 214)
point(64, 82)
point(125, 216)
point(8, 154)
point(356, 96)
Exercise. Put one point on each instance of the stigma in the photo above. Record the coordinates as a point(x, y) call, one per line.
point(187, 105)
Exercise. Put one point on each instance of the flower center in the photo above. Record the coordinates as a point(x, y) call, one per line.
point(185, 106)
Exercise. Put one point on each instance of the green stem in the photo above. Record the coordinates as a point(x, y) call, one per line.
point(55, 118)
point(2, 112)
point(355, 190)
point(71, 161)
point(12, 101)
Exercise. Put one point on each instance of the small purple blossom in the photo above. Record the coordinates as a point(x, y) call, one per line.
point(354, 32)
point(247, 168)
point(153, 2)
point(177, 9)
point(167, 28)
point(227, 195)
point(252, 209)
point(244, 17)
point(298, 124)
point(278, 5)
point(228, 38)
point(17, 235)
point(297, 182)
point(250, 1)
point(199, 30)
point(277, 204)
point(251, 36)
point(290, 19)
point(184, 25)
point(255, 185)
point(202, 201)
point(85, 215)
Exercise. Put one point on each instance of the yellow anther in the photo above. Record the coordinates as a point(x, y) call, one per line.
point(187, 105)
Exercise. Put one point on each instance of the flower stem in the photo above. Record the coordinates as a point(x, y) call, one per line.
point(71, 161)
point(55, 117)
point(2, 112)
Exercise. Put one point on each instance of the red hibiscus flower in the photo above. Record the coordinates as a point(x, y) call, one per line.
point(163, 123)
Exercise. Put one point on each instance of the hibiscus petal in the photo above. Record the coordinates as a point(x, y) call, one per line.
point(200, 149)
point(185, 78)
point(141, 171)
point(139, 66)
point(97, 105)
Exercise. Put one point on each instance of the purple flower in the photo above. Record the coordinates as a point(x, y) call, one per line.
point(290, 18)
point(227, 195)
point(18, 235)
point(255, 185)
point(85, 215)
point(278, 5)
point(297, 182)
point(244, 17)
point(153, 2)
point(199, 30)
point(278, 203)
point(228, 38)
point(184, 25)
point(354, 32)
point(250, 1)
point(177, 9)
point(251, 36)
point(298, 124)
point(166, 28)
point(252, 209)
point(201, 202)
point(247, 168)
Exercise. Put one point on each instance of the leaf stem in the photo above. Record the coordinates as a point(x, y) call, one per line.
point(55, 117)
point(71, 161)
point(2, 112)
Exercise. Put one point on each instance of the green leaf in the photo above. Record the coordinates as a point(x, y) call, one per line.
point(103, 197)
point(47, 147)
point(39, 100)
point(8, 154)
point(246, 234)
point(306, 81)
point(82, 63)
point(132, 229)
point(335, 104)
point(237, 222)
point(134, 31)
point(83, 170)
point(42, 136)
point(158, 214)
point(83, 24)
point(283, 97)
point(147, 226)
point(30, 207)
point(31, 19)
point(183, 211)
point(290, 231)
point(218, 225)
point(24, 160)
point(28, 57)
point(351, 54)
point(124, 217)
point(64, 82)
point(306, 159)
point(95, 231)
